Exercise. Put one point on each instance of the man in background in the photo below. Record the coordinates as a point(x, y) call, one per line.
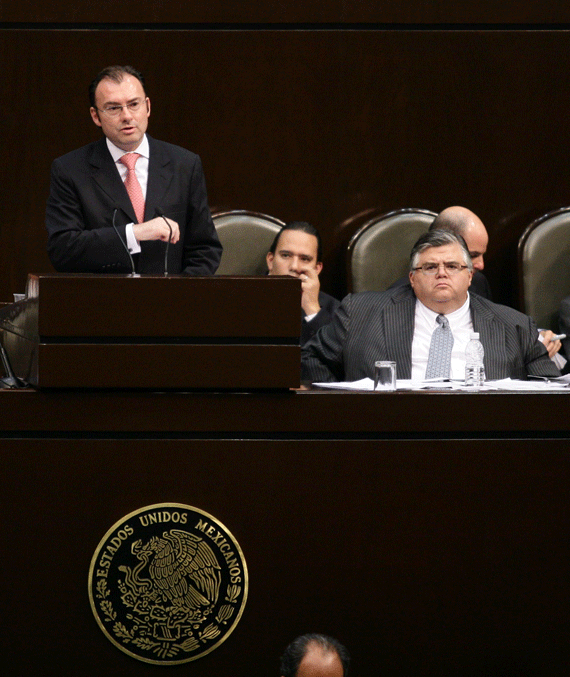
point(464, 222)
point(431, 318)
point(297, 251)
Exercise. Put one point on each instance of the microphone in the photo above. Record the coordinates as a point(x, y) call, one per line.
point(158, 211)
point(123, 243)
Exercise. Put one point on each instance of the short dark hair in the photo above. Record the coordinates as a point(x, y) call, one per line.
point(304, 227)
point(117, 74)
point(297, 650)
point(438, 238)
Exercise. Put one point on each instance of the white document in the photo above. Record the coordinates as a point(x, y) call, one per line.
point(532, 384)
point(401, 384)
point(367, 384)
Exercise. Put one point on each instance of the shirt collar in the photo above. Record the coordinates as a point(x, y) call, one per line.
point(117, 153)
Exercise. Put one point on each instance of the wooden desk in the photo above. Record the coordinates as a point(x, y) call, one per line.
point(427, 531)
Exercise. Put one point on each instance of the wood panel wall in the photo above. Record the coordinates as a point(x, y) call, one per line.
point(375, 106)
point(317, 111)
point(426, 558)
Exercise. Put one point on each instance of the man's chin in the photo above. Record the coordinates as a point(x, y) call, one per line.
point(441, 299)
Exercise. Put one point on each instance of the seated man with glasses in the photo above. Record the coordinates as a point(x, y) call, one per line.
point(402, 324)
point(115, 203)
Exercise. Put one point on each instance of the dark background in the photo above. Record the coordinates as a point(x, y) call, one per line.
point(439, 558)
point(426, 558)
point(314, 111)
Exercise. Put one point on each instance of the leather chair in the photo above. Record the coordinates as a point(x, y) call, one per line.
point(379, 252)
point(544, 267)
point(246, 237)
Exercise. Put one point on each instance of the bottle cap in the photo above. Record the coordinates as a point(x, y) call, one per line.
point(474, 335)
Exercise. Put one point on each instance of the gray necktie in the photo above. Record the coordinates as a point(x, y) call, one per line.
point(439, 360)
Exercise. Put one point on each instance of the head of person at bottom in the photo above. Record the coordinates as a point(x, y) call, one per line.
point(441, 271)
point(315, 655)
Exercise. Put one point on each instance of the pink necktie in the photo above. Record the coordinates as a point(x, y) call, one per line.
point(132, 184)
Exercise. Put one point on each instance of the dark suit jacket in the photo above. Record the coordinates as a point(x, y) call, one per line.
point(380, 325)
point(564, 323)
point(86, 188)
point(479, 285)
point(324, 316)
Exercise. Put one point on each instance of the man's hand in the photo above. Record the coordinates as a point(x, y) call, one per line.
point(552, 346)
point(310, 286)
point(156, 229)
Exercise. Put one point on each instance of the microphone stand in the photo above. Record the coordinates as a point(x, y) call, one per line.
point(159, 212)
point(134, 273)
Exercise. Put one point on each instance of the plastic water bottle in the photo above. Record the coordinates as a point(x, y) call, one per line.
point(474, 368)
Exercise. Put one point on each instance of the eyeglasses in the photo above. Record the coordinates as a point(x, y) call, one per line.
point(115, 110)
point(451, 267)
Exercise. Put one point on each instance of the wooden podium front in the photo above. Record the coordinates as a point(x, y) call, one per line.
point(176, 332)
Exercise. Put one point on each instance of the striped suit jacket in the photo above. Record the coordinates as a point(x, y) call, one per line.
point(374, 326)
point(328, 306)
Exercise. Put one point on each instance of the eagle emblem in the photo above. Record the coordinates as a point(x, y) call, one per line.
point(183, 577)
point(168, 595)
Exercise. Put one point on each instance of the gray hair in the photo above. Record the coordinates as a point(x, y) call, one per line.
point(439, 238)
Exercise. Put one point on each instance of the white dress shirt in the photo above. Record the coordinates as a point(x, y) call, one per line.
point(424, 325)
point(141, 170)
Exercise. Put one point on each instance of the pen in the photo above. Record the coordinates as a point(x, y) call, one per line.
point(558, 337)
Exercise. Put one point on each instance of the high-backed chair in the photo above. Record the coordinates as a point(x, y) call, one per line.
point(379, 252)
point(246, 237)
point(544, 267)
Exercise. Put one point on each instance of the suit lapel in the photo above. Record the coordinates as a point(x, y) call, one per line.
point(492, 336)
point(159, 178)
point(399, 326)
point(160, 174)
point(105, 174)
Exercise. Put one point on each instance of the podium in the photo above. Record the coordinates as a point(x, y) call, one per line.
point(176, 332)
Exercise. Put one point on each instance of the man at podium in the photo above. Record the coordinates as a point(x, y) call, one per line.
point(129, 203)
